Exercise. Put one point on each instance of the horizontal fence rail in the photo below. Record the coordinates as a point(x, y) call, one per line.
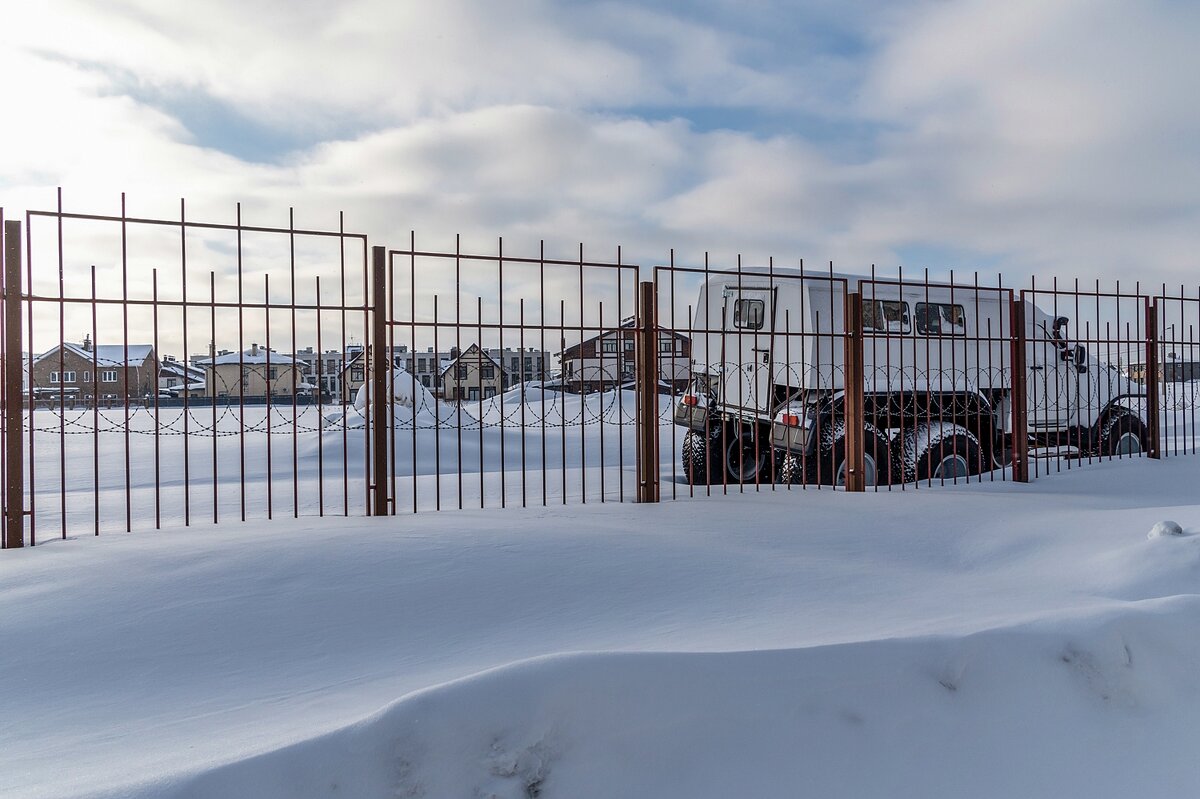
point(160, 372)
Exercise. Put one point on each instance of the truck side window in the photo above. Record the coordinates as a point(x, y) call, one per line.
point(941, 319)
point(749, 314)
point(890, 315)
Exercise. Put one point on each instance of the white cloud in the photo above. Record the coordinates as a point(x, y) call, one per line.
point(1038, 136)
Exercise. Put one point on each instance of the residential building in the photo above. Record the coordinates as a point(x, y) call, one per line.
point(178, 378)
point(105, 371)
point(609, 359)
point(255, 372)
point(471, 375)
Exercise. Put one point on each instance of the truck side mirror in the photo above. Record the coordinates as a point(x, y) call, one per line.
point(1060, 323)
point(1080, 355)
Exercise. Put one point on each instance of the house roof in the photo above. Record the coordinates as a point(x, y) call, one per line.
point(472, 350)
point(180, 369)
point(623, 333)
point(250, 357)
point(106, 354)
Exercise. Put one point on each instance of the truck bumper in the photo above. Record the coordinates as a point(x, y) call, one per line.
point(693, 417)
point(789, 439)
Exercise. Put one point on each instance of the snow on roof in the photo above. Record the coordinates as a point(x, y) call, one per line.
point(251, 356)
point(107, 354)
point(181, 369)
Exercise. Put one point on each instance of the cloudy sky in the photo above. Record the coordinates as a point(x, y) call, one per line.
point(1053, 136)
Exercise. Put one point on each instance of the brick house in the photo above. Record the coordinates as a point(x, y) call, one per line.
point(609, 359)
point(83, 371)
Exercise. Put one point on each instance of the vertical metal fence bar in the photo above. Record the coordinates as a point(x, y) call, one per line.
point(187, 413)
point(266, 374)
point(854, 418)
point(320, 399)
point(212, 396)
point(241, 375)
point(498, 397)
point(96, 412)
point(379, 379)
point(31, 394)
point(1152, 378)
point(124, 384)
point(157, 426)
point(5, 373)
point(295, 366)
point(1018, 398)
point(647, 461)
point(14, 412)
point(62, 403)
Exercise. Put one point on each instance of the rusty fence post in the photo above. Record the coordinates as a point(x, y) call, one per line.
point(380, 372)
point(853, 387)
point(14, 412)
point(647, 395)
point(1152, 379)
point(1018, 401)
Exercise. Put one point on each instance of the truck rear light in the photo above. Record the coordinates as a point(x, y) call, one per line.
point(691, 400)
point(790, 420)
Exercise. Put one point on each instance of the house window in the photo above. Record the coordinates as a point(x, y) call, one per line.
point(890, 315)
point(666, 345)
point(629, 345)
point(460, 372)
point(87, 377)
point(489, 373)
point(357, 375)
point(941, 319)
point(109, 375)
point(54, 377)
point(68, 377)
point(245, 375)
point(272, 373)
point(425, 380)
point(608, 345)
point(749, 314)
point(473, 393)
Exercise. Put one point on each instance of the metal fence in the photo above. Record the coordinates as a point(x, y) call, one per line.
point(170, 371)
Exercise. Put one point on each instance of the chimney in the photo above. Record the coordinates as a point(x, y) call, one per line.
point(87, 342)
point(254, 350)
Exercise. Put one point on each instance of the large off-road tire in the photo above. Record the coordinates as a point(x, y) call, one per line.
point(702, 457)
point(749, 457)
point(1122, 435)
point(828, 465)
point(939, 451)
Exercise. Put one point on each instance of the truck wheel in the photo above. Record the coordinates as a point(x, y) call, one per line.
point(749, 458)
point(939, 451)
point(791, 470)
point(1122, 435)
point(829, 465)
point(701, 457)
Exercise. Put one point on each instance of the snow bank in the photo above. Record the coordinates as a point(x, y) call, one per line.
point(989, 640)
point(1079, 708)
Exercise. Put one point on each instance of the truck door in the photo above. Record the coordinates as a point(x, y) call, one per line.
point(1052, 383)
point(746, 334)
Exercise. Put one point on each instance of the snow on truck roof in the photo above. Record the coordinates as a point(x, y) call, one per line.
point(789, 274)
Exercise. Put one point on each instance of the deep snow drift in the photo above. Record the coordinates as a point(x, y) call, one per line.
point(987, 640)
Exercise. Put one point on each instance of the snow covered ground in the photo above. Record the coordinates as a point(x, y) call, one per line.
point(987, 640)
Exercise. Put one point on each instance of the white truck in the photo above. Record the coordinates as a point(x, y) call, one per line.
point(766, 399)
